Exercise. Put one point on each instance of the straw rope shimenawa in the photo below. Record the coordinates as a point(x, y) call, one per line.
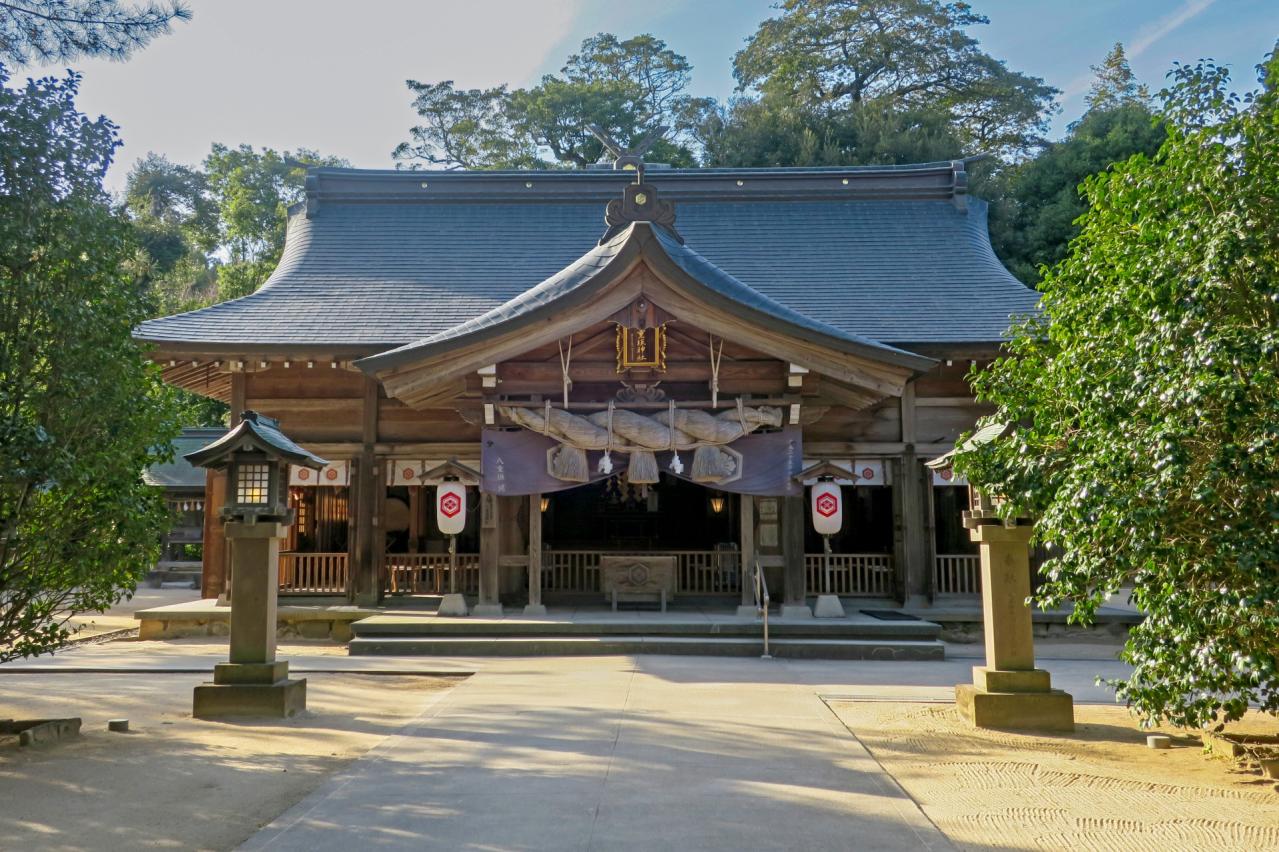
point(619, 430)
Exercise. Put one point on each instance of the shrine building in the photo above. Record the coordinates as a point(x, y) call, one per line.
point(650, 363)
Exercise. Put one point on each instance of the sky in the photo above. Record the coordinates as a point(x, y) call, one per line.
point(330, 75)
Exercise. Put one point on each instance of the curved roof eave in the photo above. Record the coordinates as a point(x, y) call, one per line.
point(603, 264)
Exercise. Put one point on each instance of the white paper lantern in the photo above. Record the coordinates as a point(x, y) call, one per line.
point(828, 508)
point(450, 507)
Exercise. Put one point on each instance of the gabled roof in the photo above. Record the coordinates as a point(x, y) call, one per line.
point(254, 431)
point(375, 260)
point(180, 473)
point(571, 285)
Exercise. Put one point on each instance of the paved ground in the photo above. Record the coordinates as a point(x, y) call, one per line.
point(636, 753)
point(643, 752)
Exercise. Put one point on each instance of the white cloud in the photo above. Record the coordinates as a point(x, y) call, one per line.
point(1153, 32)
point(1146, 37)
point(321, 74)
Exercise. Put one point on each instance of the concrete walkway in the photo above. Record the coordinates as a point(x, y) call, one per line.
point(614, 753)
point(637, 753)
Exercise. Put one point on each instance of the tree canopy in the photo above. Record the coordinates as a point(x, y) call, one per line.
point(61, 30)
point(832, 56)
point(1145, 398)
point(624, 86)
point(82, 413)
point(1035, 202)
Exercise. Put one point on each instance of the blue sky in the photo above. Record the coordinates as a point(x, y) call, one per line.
point(330, 75)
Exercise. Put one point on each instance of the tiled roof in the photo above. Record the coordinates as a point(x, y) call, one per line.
point(551, 293)
point(178, 472)
point(375, 260)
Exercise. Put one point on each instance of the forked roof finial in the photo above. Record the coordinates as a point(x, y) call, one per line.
point(631, 158)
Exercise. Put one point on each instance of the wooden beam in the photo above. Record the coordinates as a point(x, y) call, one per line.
point(606, 371)
point(908, 414)
point(839, 393)
point(951, 402)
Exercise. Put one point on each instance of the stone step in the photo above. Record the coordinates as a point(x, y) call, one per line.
point(569, 646)
point(814, 628)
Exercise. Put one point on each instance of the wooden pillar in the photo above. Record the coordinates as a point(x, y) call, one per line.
point(365, 587)
point(217, 556)
point(535, 606)
point(489, 603)
point(914, 523)
point(795, 592)
point(746, 514)
point(415, 519)
point(213, 555)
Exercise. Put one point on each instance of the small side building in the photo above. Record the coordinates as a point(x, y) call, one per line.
point(184, 485)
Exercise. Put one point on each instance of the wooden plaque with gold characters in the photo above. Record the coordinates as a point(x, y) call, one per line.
point(641, 337)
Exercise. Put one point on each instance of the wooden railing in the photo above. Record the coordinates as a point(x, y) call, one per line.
point(851, 574)
point(957, 574)
point(312, 573)
point(428, 573)
point(698, 572)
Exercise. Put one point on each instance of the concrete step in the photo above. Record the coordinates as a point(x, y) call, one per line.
point(567, 646)
point(618, 625)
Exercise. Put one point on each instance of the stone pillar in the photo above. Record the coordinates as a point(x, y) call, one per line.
point(746, 513)
point(1009, 692)
point(253, 683)
point(794, 579)
point(535, 606)
point(489, 603)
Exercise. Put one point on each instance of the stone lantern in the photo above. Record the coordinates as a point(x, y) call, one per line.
point(256, 456)
point(1007, 692)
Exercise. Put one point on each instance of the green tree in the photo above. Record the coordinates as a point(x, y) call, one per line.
point(81, 410)
point(625, 87)
point(763, 132)
point(1035, 202)
point(1115, 84)
point(463, 128)
point(902, 55)
point(176, 225)
point(1146, 401)
point(61, 30)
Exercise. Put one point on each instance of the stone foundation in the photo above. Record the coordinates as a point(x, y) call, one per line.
point(1012, 711)
point(204, 618)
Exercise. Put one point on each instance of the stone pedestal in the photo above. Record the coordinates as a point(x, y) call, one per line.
point(253, 683)
point(1009, 692)
point(488, 610)
point(453, 604)
point(796, 611)
point(828, 606)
